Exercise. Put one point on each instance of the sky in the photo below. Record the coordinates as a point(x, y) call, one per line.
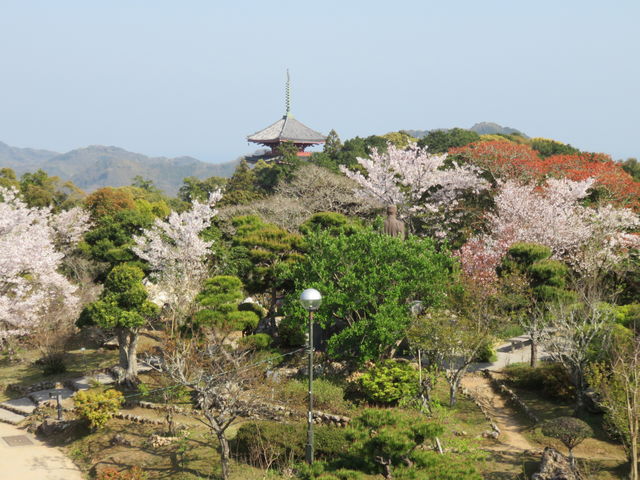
point(195, 77)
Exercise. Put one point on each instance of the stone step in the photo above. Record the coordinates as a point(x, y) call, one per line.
point(10, 417)
point(21, 406)
point(88, 381)
point(43, 395)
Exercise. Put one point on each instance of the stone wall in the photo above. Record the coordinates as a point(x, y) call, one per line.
point(511, 396)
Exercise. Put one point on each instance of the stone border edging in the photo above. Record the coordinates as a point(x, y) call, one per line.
point(511, 396)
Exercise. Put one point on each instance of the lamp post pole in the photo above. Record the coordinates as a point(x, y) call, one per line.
point(309, 449)
point(310, 300)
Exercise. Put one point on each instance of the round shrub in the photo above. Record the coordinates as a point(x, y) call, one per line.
point(97, 407)
point(486, 353)
point(389, 381)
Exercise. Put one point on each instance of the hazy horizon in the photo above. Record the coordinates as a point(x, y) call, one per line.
point(194, 79)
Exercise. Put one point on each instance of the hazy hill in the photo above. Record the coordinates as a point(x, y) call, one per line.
point(482, 128)
point(488, 128)
point(23, 159)
point(98, 166)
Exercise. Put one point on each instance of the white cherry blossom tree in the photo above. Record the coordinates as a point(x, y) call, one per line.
point(33, 244)
point(177, 256)
point(590, 240)
point(417, 182)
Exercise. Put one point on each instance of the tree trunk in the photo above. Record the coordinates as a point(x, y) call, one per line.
point(131, 376)
point(224, 454)
point(572, 460)
point(453, 390)
point(534, 352)
point(123, 347)
point(634, 457)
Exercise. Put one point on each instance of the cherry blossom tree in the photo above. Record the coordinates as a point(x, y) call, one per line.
point(177, 254)
point(33, 244)
point(590, 240)
point(418, 183)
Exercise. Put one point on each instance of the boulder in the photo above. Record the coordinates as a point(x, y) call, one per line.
point(555, 466)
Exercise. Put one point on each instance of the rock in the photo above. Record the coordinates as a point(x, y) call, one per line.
point(51, 427)
point(119, 440)
point(554, 466)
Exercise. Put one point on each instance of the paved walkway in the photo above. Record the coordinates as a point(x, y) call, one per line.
point(514, 350)
point(34, 461)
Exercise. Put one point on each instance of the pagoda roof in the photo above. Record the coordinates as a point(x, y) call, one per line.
point(287, 129)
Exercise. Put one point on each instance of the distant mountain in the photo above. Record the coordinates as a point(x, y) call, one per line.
point(98, 166)
point(482, 128)
point(23, 159)
point(490, 128)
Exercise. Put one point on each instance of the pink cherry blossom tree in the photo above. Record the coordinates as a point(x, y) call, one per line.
point(590, 240)
point(33, 245)
point(177, 256)
point(418, 183)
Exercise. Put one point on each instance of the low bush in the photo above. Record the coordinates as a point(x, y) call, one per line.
point(52, 364)
point(327, 396)
point(266, 443)
point(548, 378)
point(487, 353)
point(97, 407)
point(389, 382)
point(258, 341)
point(134, 473)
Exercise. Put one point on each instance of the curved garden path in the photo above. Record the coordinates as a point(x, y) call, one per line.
point(503, 415)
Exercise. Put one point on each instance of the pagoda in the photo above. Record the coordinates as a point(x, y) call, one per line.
point(287, 130)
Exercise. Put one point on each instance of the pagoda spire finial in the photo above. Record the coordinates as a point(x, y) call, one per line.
point(287, 95)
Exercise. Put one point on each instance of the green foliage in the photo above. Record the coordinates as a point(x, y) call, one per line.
point(194, 188)
point(97, 407)
point(628, 315)
point(389, 381)
point(486, 352)
point(332, 222)
point(367, 281)
point(38, 189)
point(108, 201)
point(400, 139)
point(262, 441)
point(530, 278)
point(332, 144)
point(570, 431)
point(387, 437)
point(112, 236)
point(550, 379)
point(53, 363)
point(281, 169)
point(632, 167)
point(546, 147)
point(347, 153)
point(262, 251)
point(123, 302)
point(440, 141)
point(242, 186)
point(327, 396)
point(258, 341)
point(220, 297)
point(8, 178)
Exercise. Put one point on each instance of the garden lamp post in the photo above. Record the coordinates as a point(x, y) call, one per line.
point(310, 300)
